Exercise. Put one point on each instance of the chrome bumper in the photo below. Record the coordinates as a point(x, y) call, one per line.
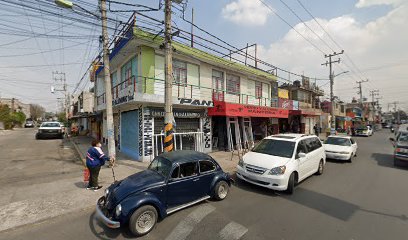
point(108, 222)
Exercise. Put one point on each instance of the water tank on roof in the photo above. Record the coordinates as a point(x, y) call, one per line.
point(296, 83)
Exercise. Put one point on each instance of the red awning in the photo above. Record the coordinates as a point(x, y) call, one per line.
point(241, 110)
point(305, 112)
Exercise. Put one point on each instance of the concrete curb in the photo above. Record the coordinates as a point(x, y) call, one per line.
point(81, 155)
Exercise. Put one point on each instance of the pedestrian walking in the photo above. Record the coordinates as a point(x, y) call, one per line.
point(316, 129)
point(95, 158)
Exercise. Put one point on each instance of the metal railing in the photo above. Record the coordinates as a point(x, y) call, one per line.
point(186, 141)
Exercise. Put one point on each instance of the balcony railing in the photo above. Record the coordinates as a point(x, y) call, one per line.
point(147, 85)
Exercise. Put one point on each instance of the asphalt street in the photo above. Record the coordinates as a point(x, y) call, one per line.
point(365, 199)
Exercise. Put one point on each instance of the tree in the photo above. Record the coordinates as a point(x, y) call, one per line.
point(36, 111)
point(61, 117)
point(9, 118)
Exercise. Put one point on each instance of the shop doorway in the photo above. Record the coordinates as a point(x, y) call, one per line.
point(233, 134)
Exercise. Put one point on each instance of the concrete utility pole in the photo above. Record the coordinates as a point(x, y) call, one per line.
point(108, 87)
point(168, 95)
point(331, 77)
point(374, 93)
point(395, 110)
point(360, 91)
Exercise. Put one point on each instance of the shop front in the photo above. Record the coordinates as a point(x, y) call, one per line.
point(238, 126)
point(303, 121)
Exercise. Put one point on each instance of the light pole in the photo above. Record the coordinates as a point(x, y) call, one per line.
point(106, 66)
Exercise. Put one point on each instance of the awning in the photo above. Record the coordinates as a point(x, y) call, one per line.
point(308, 112)
point(241, 110)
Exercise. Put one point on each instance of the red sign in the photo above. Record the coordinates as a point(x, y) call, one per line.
point(240, 110)
point(285, 103)
point(305, 112)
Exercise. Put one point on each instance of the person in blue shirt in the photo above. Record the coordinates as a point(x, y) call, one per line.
point(95, 158)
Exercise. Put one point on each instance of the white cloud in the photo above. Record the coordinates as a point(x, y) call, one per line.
point(377, 48)
point(246, 12)
point(369, 3)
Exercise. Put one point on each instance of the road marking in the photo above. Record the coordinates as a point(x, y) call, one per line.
point(232, 231)
point(185, 227)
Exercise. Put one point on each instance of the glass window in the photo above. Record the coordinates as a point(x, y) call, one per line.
point(352, 141)
point(206, 166)
point(180, 72)
point(161, 165)
point(275, 147)
point(258, 89)
point(233, 84)
point(176, 172)
point(218, 80)
point(188, 169)
point(301, 147)
point(337, 141)
point(50, 125)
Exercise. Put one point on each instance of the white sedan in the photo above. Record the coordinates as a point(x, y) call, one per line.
point(340, 147)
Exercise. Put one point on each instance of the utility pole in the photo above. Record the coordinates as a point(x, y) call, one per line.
point(331, 77)
point(360, 91)
point(374, 93)
point(168, 95)
point(59, 77)
point(108, 87)
point(396, 110)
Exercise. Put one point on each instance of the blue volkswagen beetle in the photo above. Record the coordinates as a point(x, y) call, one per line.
point(173, 181)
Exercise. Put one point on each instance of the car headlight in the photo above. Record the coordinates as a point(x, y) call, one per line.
point(118, 210)
point(106, 192)
point(241, 163)
point(344, 152)
point(278, 170)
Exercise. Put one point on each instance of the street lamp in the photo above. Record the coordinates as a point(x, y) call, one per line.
point(340, 73)
point(108, 86)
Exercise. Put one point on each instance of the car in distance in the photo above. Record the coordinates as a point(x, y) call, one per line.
point(340, 147)
point(364, 131)
point(281, 161)
point(173, 181)
point(400, 143)
point(49, 130)
point(29, 124)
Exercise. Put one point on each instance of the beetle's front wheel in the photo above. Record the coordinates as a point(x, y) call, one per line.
point(143, 220)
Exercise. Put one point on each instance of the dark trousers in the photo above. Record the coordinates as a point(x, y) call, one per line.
point(93, 176)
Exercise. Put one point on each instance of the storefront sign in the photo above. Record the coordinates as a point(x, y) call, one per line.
point(283, 93)
point(157, 112)
point(123, 99)
point(286, 103)
point(195, 102)
point(240, 110)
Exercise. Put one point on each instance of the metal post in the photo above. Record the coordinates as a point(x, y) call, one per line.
point(108, 87)
point(192, 27)
point(168, 108)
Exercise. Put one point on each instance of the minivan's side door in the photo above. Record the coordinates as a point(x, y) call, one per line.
point(302, 162)
point(184, 185)
point(313, 155)
point(207, 173)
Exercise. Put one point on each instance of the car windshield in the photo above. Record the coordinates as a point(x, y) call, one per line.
point(161, 165)
point(50, 125)
point(403, 137)
point(362, 128)
point(338, 141)
point(275, 147)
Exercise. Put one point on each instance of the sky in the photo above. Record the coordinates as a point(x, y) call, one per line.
point(292, 34)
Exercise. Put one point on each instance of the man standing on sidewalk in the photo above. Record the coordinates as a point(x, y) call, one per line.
point(95, 158)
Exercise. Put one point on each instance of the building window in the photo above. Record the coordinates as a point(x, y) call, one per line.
point(127, 73)
point(233, 84)
point(180, 72)
point(258, 89)
point(218, 85)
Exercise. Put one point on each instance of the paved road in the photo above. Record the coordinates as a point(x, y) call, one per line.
point(366, 199)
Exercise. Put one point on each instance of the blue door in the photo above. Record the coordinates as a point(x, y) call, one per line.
point(129, 132)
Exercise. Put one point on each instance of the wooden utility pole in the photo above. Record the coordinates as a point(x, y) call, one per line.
point(331, 77)
point(168, 96)
point(108, 86)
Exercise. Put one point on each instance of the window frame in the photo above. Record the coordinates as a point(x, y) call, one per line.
point(207, 172)
point(179, 171)
point(177, 69)
point(258, 89)
point(303, 144)
point(236, 84)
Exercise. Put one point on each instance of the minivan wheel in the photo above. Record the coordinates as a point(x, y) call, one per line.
point(221, 190)
point(320, 168)
point(143, 220)
point(291, 184)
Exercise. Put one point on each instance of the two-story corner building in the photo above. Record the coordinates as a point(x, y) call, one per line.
point(308, 113)
point(217, 103)
point(81, 113)
point(339, 113)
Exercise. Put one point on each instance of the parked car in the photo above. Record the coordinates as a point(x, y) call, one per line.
point(400, 143)
point(364, 131)
point(281, 161)
point(340, 147)
point(29, 124)
point(173, 181)
point(49, 130)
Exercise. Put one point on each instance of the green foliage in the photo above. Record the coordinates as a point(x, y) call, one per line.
point(61, 118)
point(9, 118)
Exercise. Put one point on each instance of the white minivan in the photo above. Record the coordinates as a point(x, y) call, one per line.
point(281, 161)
